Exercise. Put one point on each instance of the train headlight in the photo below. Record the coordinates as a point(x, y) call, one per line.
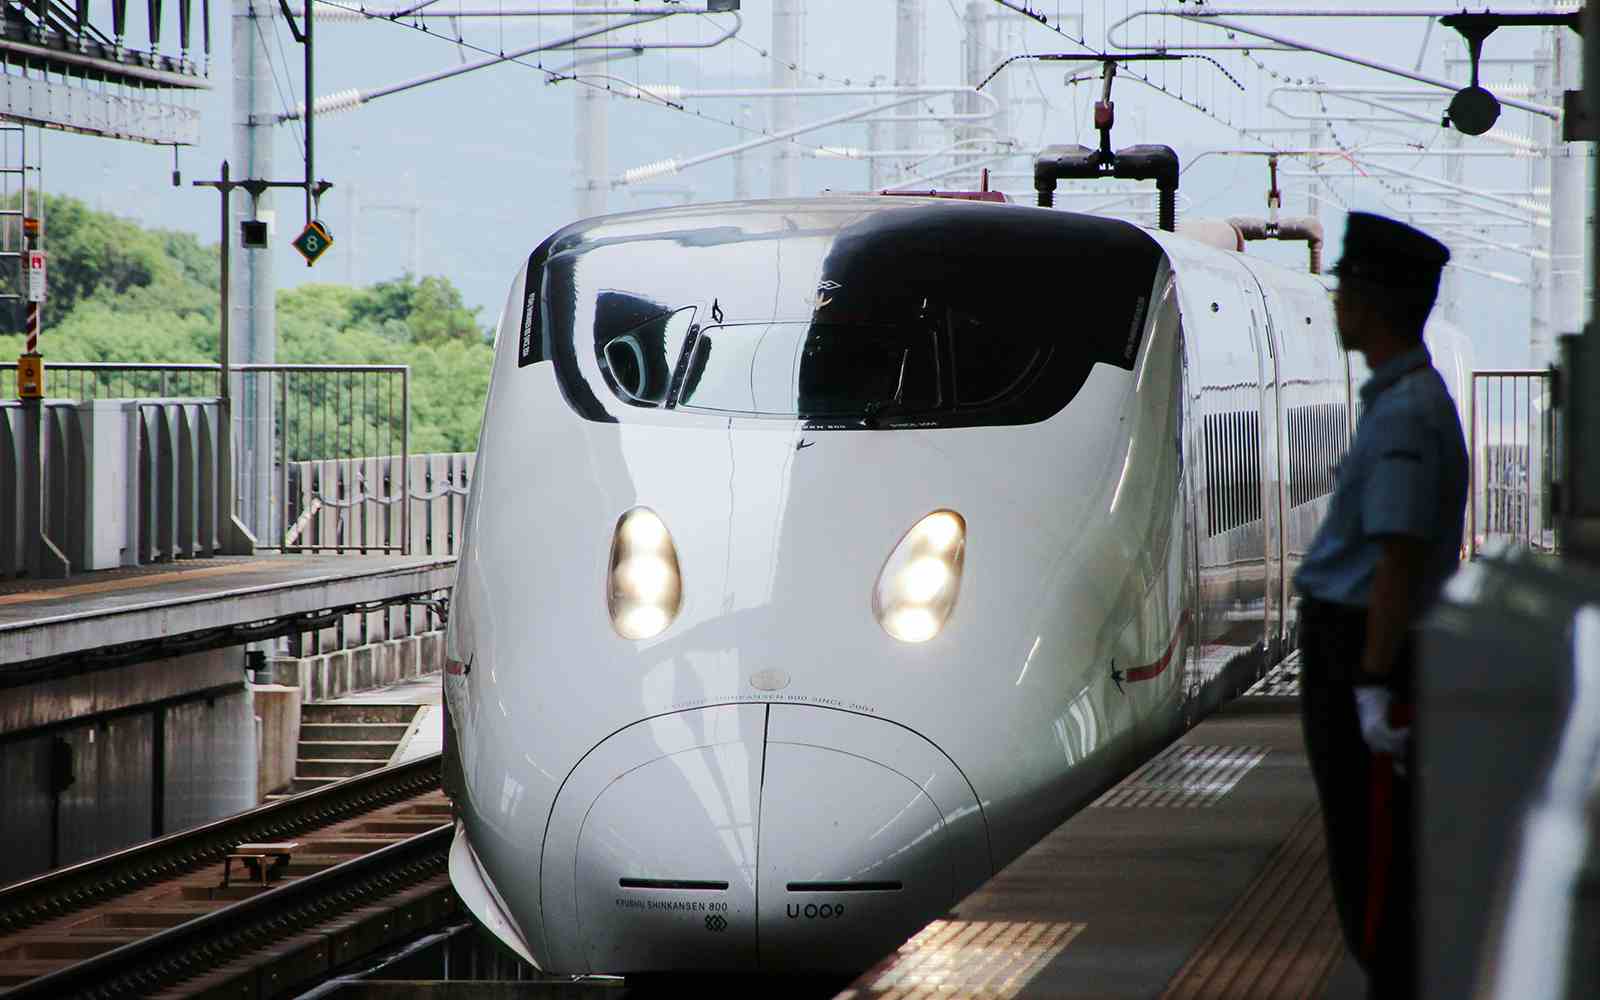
point(918, 585)
point(644, 589)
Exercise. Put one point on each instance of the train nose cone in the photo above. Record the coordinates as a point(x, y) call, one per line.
point(666, 866)
point(854, 859)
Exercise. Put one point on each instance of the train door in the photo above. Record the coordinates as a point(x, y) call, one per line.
point(1314, 415)
point(1189, 453)
point(1275, 593)
point(1222, 317)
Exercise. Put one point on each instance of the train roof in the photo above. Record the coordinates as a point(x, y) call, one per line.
point(818, 216)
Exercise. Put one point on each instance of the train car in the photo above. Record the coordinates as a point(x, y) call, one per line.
point(822, 555)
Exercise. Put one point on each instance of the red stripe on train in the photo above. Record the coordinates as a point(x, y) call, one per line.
point(1150, 671)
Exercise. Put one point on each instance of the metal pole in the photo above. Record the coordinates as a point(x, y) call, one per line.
point(310, 89)
point(1527, 477)
point(229, 485)
point(254, 22)
point(1473, 463)
point(741, 163)
point(975, 65)
point(1545, 134)
point(283, 459)
point(787, 26)
point(590, 121)
point(908, 28)
point(1569, 215)
point(405, 460)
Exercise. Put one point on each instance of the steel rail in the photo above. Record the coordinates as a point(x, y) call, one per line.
point(197, 946)
point(54, 893)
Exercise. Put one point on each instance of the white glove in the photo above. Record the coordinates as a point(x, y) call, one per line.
point(1372, 705)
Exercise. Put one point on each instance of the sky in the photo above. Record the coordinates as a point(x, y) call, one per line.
point(464, 177)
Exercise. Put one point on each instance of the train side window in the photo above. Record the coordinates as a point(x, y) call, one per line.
point(639, 363)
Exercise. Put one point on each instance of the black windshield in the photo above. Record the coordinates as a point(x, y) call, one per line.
point(843, 312)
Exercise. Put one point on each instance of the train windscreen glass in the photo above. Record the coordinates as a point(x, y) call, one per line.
point(927, 316)
point(812, 370)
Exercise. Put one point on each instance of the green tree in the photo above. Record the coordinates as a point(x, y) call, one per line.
point(96, 253)
point(430, 310)
point(122, 292)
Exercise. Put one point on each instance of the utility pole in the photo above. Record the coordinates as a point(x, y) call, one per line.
point(741, 163)
point(1541, 338)
point(1449, 290)
point(590, 122)
point(787, 29)
point(908, 30)
point(975, 65)
point(253, 327)
point(1570, 213)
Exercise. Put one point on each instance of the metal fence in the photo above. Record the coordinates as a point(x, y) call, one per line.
point(320, 454)
point(83, 380)
point(352, 506)
point(346, 429)
point(1512, 449)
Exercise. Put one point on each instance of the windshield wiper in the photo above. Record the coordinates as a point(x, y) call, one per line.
point(879, 408)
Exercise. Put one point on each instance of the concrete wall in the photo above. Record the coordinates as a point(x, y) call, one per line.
point(71, 790)
point(97, 692)
point(329, 675)
point(277, 708)
point(211, 760)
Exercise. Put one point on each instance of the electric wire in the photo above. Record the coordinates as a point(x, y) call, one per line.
point(299, 135)
point(553, 76)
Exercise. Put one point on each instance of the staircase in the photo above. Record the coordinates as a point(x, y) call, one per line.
point(340, 741)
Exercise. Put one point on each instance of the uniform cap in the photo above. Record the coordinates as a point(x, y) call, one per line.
point(1390, 253)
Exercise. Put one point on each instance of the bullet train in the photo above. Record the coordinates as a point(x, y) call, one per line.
point(822, 555)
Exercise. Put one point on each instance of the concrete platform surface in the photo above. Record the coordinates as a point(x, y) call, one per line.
point(1203, 874)
point(45, 619)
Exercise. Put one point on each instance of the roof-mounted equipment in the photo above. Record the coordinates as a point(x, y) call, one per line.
point(1135, 163)
point(1274, 227)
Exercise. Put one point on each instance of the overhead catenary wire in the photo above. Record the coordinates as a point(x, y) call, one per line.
point(551, 76)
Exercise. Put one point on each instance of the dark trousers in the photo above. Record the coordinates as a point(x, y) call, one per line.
point(1366, 808)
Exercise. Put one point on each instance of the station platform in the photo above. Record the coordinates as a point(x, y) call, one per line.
point(115, 615)
point(427, 729)
point(1201, 875)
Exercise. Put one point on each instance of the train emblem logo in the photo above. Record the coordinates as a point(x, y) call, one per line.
point(825, 286)
point(716, 922)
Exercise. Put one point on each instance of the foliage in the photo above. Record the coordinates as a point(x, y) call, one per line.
point(121, 292)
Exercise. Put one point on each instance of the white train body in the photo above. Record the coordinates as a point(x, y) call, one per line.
point(774, 782)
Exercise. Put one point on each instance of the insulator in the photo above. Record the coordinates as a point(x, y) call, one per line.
point(650, 171)
point(336, 102)
point(328, 13)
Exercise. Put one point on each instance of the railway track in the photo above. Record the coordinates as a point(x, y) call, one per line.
point(155, 920)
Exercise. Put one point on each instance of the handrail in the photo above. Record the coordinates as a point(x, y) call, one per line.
point(206, 366)
point(128, 366)
point(274, 367)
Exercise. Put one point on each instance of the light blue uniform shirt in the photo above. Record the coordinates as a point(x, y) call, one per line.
point(1405, 474)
